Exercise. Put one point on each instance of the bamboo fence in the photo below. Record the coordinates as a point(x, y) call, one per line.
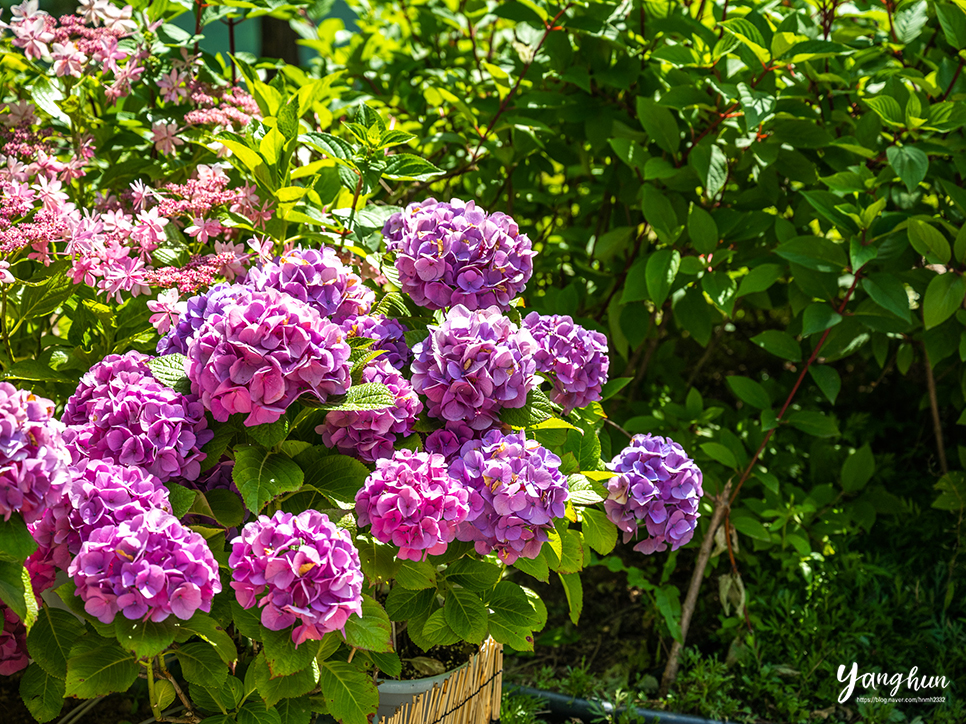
point(470, 696)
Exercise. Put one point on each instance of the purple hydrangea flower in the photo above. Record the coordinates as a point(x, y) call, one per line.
point(387, 334)
point(412, 502)
point(198, 309)
point(474, 364)
point(148, 567)
point(371, 434)
point(99, 493)
point(307, 568)
point(454, 253)
point(517, 493)
point(318, 278)
point(33, 456)
point(575, 358)
point(659, 485)
point(448, 440)
point(120, 413)
point(259, 354)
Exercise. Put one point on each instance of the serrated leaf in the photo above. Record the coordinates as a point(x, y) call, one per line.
point(257, 712)
point(358, 398)
point(181, 498)
point(144, 638)
point(599, 532)
point(262, 475)
point(283, 656)
point(201, 664)
point(50, 639)
point(407, 167)
point(372, 631)
point(536, 409)
point(273, 689)
point(349, 693)
point(472, 574)
point(98, 667)
point(16, 542)
point(337, 477)
point(466, 614)
point(416, 575)
point(42, 693)
point(169, 370)
point(213, 633)
point(403, 604)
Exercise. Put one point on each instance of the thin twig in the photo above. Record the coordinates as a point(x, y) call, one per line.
point(937, 425)
point(721, 506)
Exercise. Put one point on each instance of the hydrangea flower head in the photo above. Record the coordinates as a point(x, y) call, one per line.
point(120, 413)
point(474, 364)
point(575, 358)
point(371, 434)
point(659, 485)
point(148, 567)
point(100, 492)
point(316, 277)
point(259, 354)
point(33, 456)
point(517, 493)
point(412, 502)
point(449, 439)
point(13, 642)
point(455, 253)
point(197, 309)
point(307, 569)
point(387, 334)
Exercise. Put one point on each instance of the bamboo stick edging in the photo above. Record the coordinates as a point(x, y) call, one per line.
point(470, 696)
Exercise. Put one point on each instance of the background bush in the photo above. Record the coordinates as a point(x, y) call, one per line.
point(738, 192)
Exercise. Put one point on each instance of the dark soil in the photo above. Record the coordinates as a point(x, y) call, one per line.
point(417, 664)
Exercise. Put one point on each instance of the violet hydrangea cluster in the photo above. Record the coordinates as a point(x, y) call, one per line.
point(261, 352)
point(575, 358)
point(455, 253)
point(307, 569)
point(372, 434)
point(120, 413)
point(318, 278)
point(659, 485)
point(449, 439)
point(148, 567)
point(99, 493)
point(518, 490)
point(387, 334)
point(33, 456)
point(412, 502)
point(196, 310)
point(472, 365)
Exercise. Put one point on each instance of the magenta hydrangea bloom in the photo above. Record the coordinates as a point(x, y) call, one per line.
point(120, 413)
point(148, 567)
point(517, 493)
point(261, 352)
point(99, 493)
point(474, 364)
point(657, 484)
point(454, 253)
point(371, 434)
point(412, 502)
point(448, 440)
point(13, 643)
point(307, 568)
point(387, 334)
point(318, 278)
point(575, 358)
point(33, 456)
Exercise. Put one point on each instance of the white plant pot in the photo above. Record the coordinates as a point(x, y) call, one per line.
point(469, 694)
